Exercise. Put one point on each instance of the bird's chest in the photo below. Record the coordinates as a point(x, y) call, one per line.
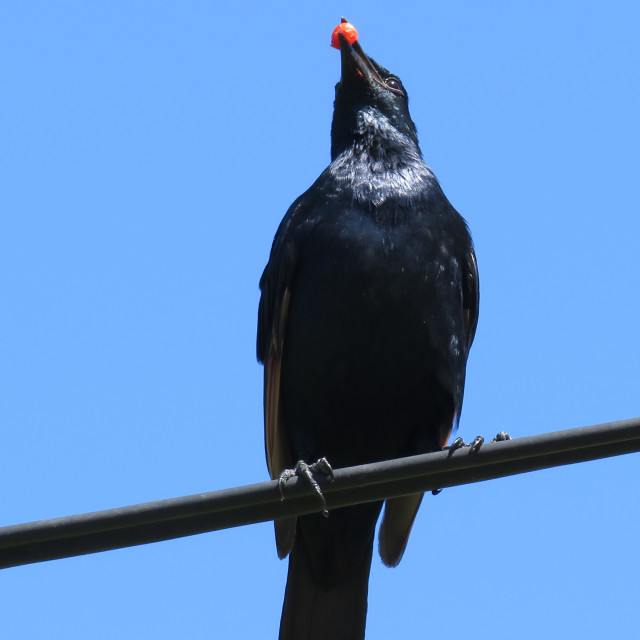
point(368, 297)
point(360, 267)
point(373, 312)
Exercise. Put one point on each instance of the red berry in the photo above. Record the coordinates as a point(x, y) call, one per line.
point(347, 29)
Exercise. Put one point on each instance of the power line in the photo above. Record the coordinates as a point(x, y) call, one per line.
point(177, 517)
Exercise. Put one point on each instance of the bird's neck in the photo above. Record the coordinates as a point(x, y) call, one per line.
point(381, 163)
point(372, 137)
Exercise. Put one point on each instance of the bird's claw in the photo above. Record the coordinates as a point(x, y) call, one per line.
point(501, 437)
point(459, 443)
point(282, 480)
point(478, 441)
point(322, 466)
point(304, 470)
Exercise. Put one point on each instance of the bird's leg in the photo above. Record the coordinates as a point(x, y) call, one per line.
point(304, 470)
point(501, 437)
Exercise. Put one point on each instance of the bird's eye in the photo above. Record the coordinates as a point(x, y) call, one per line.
point(393, 83)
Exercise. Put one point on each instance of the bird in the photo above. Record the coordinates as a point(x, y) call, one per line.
point(368, 309)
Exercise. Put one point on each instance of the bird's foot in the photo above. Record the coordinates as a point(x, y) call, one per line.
point(304, 470)
point(459, 443)
point(476, 443)
point(474, 446)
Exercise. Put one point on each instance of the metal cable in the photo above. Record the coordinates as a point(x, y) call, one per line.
point(177, 517)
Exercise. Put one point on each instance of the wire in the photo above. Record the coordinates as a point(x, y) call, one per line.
point(177, 517)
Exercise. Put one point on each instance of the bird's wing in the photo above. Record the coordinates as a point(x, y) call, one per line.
point(278, 457)
point(399, 513)
point(276, 446)
point(276, 287)
point(470, 296)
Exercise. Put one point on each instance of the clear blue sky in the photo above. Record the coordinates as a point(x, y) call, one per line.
point(148, 151)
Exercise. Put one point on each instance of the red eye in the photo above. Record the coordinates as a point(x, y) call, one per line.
point(393, 83)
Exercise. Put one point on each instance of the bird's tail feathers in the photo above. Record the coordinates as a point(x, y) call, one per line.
point(399, 514)
point(328, 580)
point(315, 612)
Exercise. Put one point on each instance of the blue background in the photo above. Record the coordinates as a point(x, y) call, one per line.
point(148, 151)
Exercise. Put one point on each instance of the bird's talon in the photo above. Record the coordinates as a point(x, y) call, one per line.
point(302, 469)
point(322, 466)
point(501, 437)
point(476, 444)
point(458, 443)
point(282, 480)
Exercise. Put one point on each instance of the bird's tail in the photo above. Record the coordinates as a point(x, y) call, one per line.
point(328, 579)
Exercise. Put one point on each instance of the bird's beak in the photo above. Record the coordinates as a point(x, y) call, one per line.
point(356, 64)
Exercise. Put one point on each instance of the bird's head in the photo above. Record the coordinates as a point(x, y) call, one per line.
point(371, 104)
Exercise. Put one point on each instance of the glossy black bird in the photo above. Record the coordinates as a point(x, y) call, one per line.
point(368, 310)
